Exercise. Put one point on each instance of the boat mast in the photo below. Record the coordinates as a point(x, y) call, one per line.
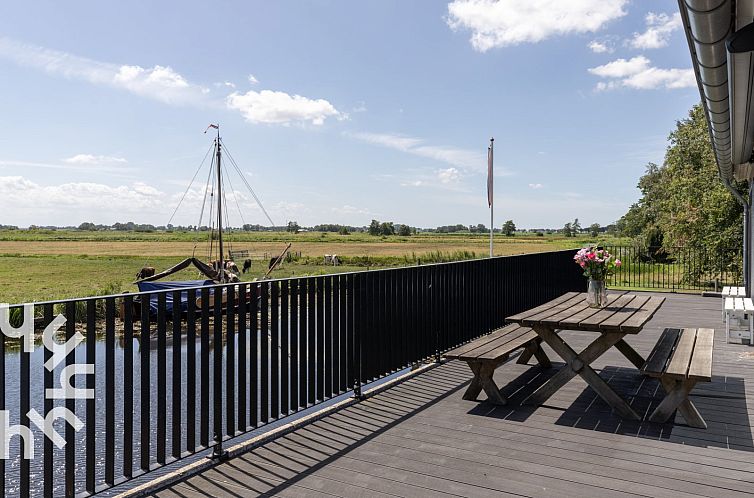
point(221, 271)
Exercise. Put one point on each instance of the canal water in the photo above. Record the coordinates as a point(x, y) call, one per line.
point(12, 403)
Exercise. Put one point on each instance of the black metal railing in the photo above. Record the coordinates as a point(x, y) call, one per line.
point(676, 268)
point(171, 381)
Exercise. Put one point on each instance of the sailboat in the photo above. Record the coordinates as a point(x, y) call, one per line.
point(220, 268)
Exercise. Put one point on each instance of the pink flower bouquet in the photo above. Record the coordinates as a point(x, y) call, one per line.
point(597, 264)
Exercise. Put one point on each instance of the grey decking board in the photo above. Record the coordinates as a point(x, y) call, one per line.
point(562, 448)
point(635, 445)
point(543, 423)
point(536, 444)
point(398, 426)
point(335, 479)
point(524, 457)
point(397, 463)
point(646, 452)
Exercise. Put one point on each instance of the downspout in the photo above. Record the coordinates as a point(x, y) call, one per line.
point(748, 253)
point(747, 206)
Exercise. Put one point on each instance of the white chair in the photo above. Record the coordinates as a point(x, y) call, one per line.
point(731, 292)
point(739, 318)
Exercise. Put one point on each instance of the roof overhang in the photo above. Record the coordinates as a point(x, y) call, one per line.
point(721, 52)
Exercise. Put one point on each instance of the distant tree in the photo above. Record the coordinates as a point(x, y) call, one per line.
point(594, 229)
point(343, 231)
point(575, 227)
point(509, 228)
point(568, 230)
point(87, 226)
point(374, 227)
point(293, 227)
point(404, 230)
point(480, 228)
point(387, 228)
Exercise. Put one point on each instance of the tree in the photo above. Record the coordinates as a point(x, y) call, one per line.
point(404, 230)
point(509, 228)
point(374, 228)
point(568, 230)
point(343, 231)
point(683, 202)
point(87, 226)
point(293, 227)
point(387, 228)
point(575, 227)
point(594, 230)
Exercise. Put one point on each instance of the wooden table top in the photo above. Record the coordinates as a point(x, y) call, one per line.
point(624, 312)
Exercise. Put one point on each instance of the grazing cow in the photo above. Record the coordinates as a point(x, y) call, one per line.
point(332, 259)
point(145, 272)
point(272, 262)
point(232, 267)
point(246, 265)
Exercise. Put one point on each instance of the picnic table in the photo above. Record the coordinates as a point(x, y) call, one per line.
point(624, 314)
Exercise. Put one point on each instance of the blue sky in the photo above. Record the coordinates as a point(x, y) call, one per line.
point(337, 111)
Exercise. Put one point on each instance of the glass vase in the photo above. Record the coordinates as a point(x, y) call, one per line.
point(596, 294)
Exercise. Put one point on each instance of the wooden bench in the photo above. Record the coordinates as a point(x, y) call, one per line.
point(739, 318)
point(680, 359)
point(485, 354)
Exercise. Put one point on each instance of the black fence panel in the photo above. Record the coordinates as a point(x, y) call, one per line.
point(676, 269)
point(176, 372)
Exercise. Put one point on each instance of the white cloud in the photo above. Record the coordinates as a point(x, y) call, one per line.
point(348, 209)
point(414, 183)
point(502, 23)
point(253, 80)
point(76, 200)
point(621, 68)
point(92, 160)
point(659, 29)
point(454, 156)
point(158, 82)
point(271, 107)
point(638, 73)
point(535, 186)
point(449, 175)
point(600, 47)
point(164, 84)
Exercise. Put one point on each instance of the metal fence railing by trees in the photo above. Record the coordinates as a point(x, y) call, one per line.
point(676, 268)
point(161, 376)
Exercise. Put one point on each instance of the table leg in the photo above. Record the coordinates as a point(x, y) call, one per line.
point(578, 364)
point(630, 353)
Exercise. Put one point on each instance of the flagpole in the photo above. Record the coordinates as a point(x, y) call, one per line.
point(491, 194)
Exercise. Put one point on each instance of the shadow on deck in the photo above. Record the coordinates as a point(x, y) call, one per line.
point(420, 438)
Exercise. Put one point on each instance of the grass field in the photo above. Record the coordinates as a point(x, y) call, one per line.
point(40, 265)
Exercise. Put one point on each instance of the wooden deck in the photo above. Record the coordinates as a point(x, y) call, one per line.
point(421, 439)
